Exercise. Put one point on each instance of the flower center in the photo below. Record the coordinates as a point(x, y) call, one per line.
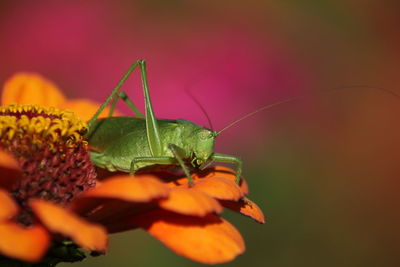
point(49, 146)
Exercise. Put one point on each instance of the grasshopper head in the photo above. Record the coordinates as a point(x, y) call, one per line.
point(204, 148)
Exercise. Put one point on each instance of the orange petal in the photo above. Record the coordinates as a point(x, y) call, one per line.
point(85, 108)
point(219, 187)
point(7, 160)
point(216, 171)
point(244, 187)
point(9, 170)
point(129, 188)
point(246, 207)
point(8, 207)
point(109, 212)
point(120, 226)
point(109, 199)
point(190, 202)
point(23, 243)
point(31, 88)
point(178, 181)
point(220, 171)
point(209, 240)
point(56, 219)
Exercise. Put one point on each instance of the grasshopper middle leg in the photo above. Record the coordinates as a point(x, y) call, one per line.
point(114, 92)
point(217, 157)
point(124, 97)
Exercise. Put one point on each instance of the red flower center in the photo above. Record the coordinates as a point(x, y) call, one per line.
point(53, 156)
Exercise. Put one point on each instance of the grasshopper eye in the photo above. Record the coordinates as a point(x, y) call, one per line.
point(204, 135)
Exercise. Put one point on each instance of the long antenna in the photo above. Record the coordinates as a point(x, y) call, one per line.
point(290, 99)
point(200, 106)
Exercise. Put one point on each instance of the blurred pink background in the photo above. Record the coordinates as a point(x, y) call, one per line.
point(324, 169)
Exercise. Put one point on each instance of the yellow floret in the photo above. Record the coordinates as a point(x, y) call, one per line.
point(41, 125)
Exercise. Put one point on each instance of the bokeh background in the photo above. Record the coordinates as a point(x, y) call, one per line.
point(324, 169)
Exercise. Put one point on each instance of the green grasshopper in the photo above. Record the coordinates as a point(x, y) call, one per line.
point(128, 144)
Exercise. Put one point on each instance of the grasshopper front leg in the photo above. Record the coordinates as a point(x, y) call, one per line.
point(179, 155)
point(217, 157)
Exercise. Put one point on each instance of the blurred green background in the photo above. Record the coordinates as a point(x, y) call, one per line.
point(324, 169)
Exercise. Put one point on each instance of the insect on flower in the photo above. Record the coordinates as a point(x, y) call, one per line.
point(129, 144)
point(52, 199)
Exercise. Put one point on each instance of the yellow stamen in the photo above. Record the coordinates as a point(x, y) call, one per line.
point(42, 125)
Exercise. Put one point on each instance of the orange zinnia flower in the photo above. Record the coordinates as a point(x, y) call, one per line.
point(33, 89)
point(50, 165)
point(51, 187)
